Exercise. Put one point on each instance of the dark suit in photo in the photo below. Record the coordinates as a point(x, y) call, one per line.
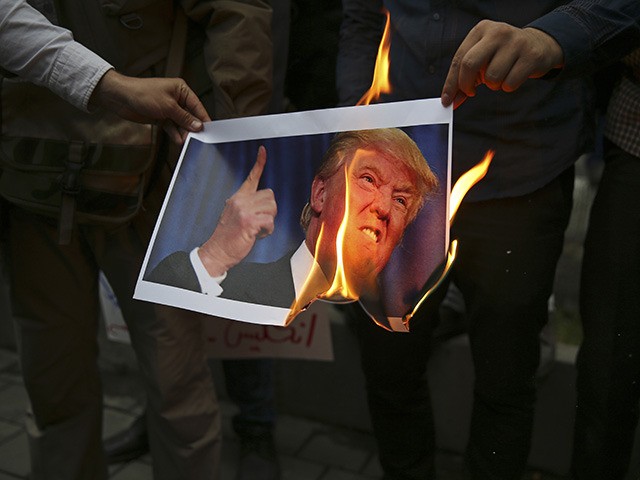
point(260, 283)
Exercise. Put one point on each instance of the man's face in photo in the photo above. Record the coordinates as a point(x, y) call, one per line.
point(382, 198)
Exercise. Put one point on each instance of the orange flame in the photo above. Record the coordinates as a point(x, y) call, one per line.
point(316, 285)
point(340, 286)
point(340, 289)
point(467, 180)
point(380, 83)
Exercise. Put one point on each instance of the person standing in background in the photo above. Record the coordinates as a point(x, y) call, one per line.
point(608, 363)
point(608, 368)
point(250, 383)
point(510, 226)
point(54, 287)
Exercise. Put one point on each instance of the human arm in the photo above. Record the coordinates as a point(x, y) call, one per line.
point(238, 54)
point(52, 59)
point(247, 216)
point(148, 100)
point(577, 38)
point(501, 57)
point(34, 49)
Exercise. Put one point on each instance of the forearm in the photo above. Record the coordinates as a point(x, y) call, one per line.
point(593, 34)
point(50, 57)
point(238, 53)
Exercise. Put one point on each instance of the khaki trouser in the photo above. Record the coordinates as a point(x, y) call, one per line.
point(56, 308)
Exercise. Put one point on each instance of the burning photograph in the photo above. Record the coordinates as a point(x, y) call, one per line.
point(256, 229)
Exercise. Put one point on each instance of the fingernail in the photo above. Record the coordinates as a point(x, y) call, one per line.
point(196, 125)
point(445, 99)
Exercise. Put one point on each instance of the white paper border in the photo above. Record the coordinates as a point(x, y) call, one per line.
point(386, 115)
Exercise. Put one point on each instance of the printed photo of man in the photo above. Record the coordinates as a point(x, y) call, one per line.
point(388, 181)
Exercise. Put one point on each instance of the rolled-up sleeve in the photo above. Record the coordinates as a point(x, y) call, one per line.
point(47, 55)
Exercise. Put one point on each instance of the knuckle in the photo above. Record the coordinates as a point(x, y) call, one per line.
point(455, 62)
point(490, 77)
point(272, 226)
point(538, 56)
point(468, 63)
point(483, 24)
point(182, 90)
point(234, 202)
point(246, 221)
point(185, 118)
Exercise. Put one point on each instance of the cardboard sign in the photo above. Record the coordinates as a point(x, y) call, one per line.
point(308, 338)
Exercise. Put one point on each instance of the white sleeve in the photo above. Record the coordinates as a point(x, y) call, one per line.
point(45, 54)
point(209, 285)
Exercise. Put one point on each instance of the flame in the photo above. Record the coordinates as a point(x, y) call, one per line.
point(340, 286)
point(467, 180)
point(340, 289)
point(316, 285)
point(380, 83)
point(451, 256)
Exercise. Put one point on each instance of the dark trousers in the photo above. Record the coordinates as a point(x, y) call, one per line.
point(251, 386)
point(508, 250)
point(55, 305)
point(608, 384)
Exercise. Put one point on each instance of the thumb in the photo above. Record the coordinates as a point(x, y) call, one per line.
point(188, 112)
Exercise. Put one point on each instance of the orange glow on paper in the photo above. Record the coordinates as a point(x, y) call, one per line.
point(340, 287)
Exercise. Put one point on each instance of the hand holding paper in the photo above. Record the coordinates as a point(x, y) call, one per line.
point(166, 101)
point(500, 56)
point(247, 216)
point(385, 258)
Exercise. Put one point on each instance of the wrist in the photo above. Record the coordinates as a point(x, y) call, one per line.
point(105, 93)
point(552, 50)
point(214, 260)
